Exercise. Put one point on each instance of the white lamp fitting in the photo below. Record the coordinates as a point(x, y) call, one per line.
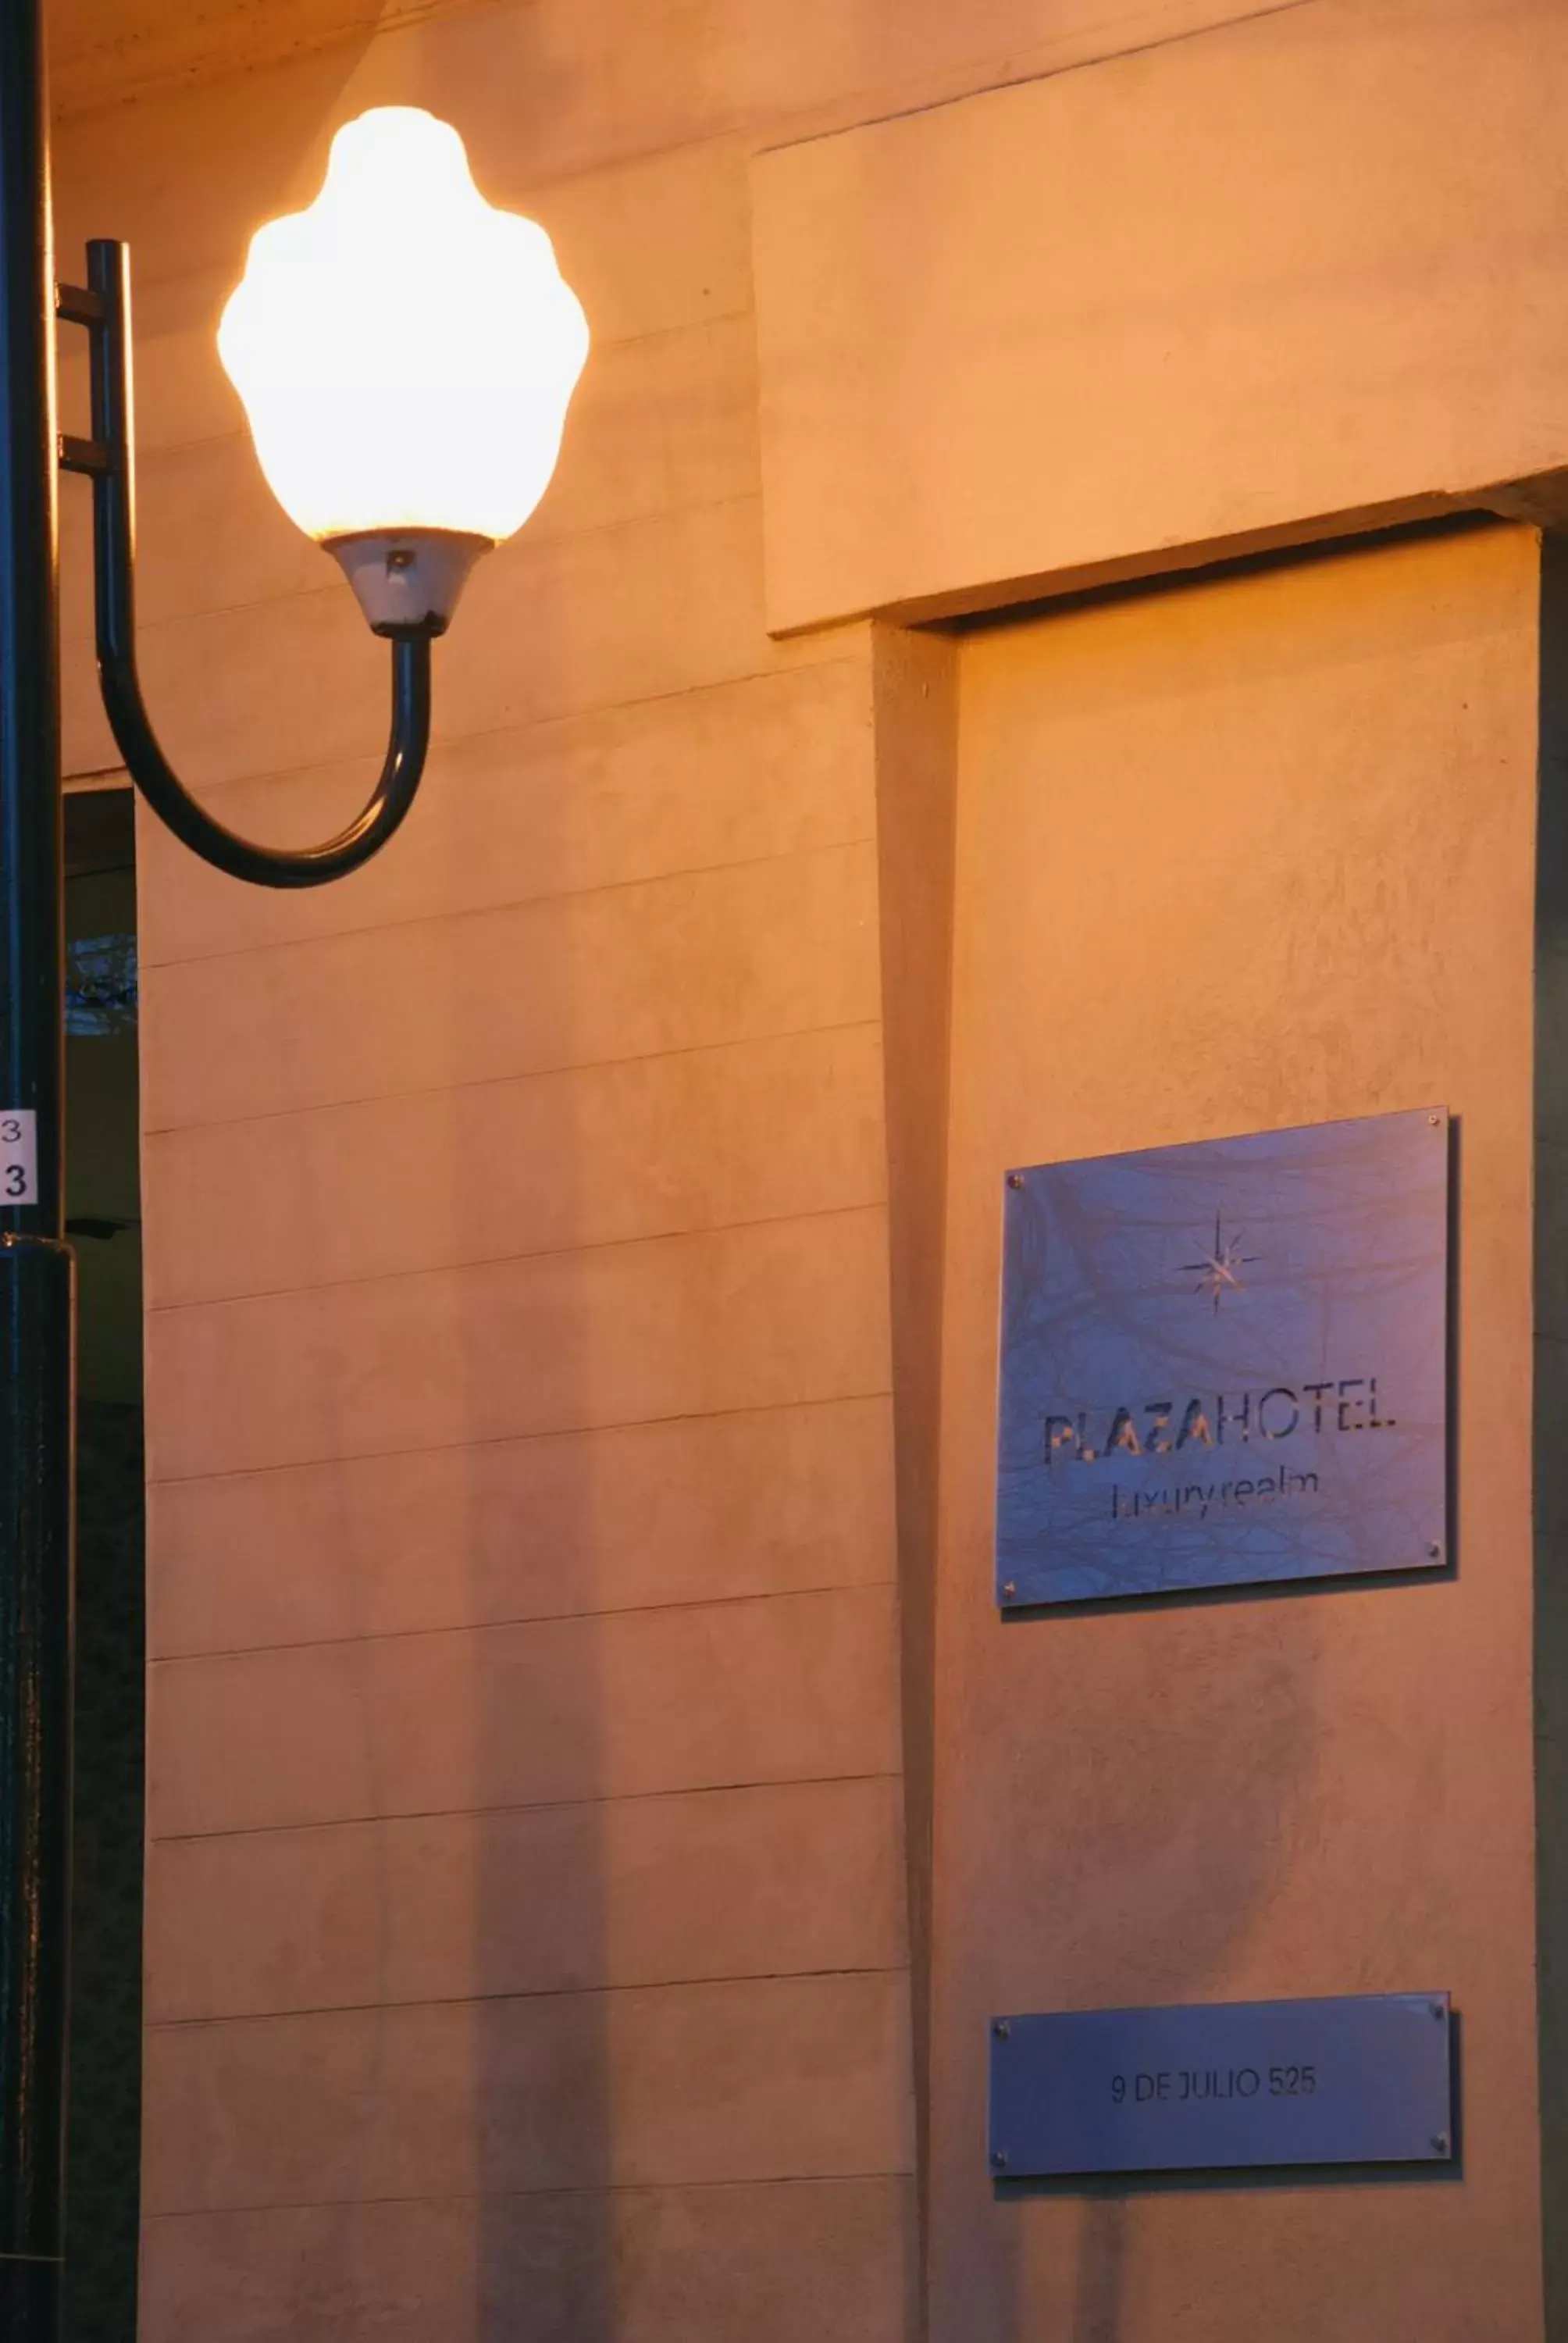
point(406, 353)
point(407, 580)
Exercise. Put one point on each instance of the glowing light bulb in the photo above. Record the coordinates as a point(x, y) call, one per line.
point(405, 354)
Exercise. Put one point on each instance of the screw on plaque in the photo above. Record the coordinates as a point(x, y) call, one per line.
point(1434, 1120)
point(1001, 2029)
point(1008, 1589)
point(1015, 1178)
point(1438, 2012)
point(1435, 1551)
point(1439, 2142)
point(998, 2157)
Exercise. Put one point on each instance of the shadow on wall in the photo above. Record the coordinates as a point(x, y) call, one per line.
point(509, 2060)
point(1185, 1851)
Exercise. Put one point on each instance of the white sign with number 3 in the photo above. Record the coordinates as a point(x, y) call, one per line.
point(18, 1155)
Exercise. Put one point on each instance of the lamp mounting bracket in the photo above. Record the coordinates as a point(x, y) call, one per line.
point(87, 456)
point(78, 305)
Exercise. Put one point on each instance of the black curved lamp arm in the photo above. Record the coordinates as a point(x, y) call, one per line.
point(109, 457)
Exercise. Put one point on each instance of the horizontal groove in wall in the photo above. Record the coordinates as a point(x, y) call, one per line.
point(188, 2025)
point(160, 1660)
point(501, 1440)
point(507, 1260)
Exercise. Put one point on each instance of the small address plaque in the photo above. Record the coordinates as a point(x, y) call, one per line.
point(1358, 2079)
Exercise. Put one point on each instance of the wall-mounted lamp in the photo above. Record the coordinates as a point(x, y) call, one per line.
point(406, 355)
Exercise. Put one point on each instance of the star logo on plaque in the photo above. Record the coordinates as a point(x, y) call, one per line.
point(1220, 1271)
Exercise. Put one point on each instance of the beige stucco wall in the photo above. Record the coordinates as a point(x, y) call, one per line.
point(1299, 273)
point(1308, 797)
point(526, 1934)
point(552, 1684)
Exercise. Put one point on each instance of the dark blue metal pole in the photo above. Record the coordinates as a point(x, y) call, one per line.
point(36, 1297)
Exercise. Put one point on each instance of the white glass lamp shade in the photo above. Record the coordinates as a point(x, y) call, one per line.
point(406, 353)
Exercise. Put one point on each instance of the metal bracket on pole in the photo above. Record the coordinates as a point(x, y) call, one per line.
point(89, 456)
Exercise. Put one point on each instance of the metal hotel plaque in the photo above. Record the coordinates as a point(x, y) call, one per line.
point(1365, 2079)
point(1225, 1363)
